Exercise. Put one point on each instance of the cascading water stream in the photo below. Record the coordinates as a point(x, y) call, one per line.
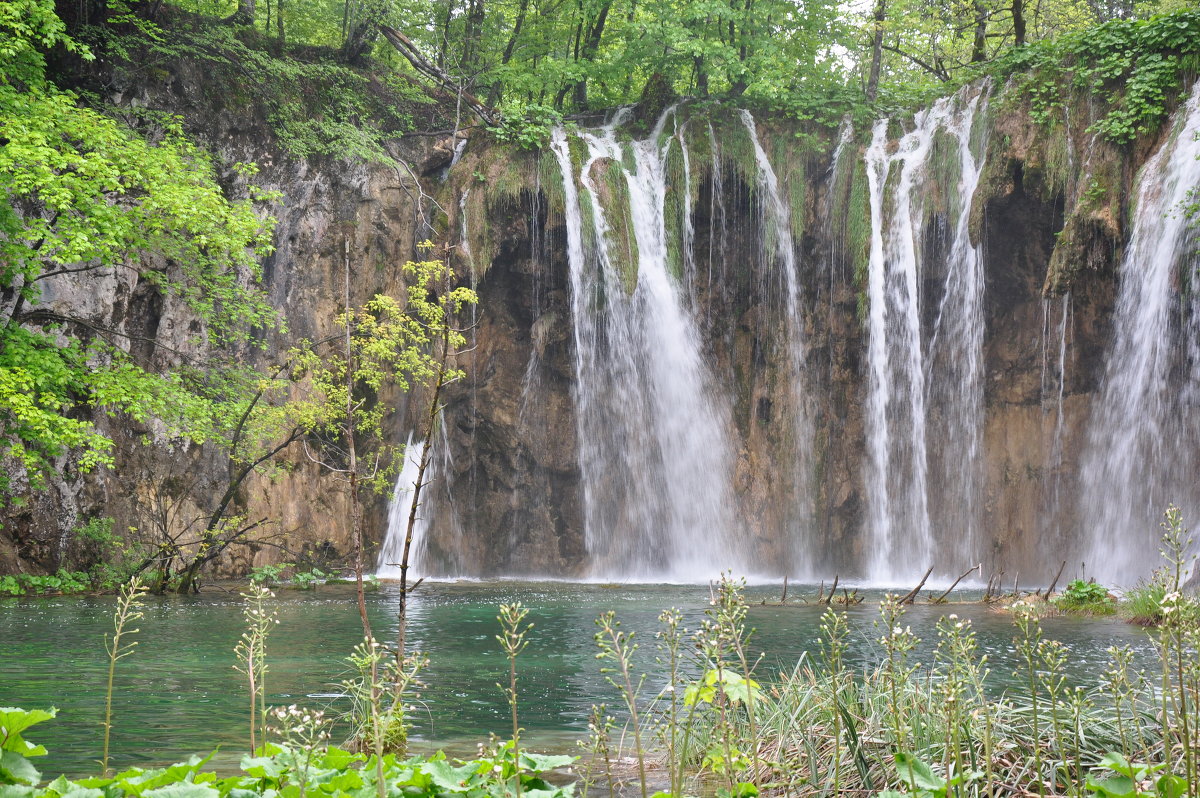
point(392, 551)
point(925, 390)
point(777, 227)
point(1143, 434)
point(652, 426)
point(1056, 443)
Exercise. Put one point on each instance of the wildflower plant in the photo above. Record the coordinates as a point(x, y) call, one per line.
point(898, 643)
point(513, 639)
point(251, 651)
point(130, 609)
point(305, 733)
point(616, 650)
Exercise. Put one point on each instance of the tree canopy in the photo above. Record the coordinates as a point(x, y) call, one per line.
point(814, 59)
point(83, 192)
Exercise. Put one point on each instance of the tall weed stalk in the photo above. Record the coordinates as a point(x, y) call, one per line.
point(617, 649)
point(251, 652)
point(512, 639)
point(130, 604)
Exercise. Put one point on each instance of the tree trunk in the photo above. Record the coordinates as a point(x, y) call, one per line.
point(472, 33)
point(1018, 14)
point(591, 46)
point(244, 15)
point(516, 32)
point(444, 39)
point(979, 46)
point(701, 77)
point(876, 50)
point(494, 94)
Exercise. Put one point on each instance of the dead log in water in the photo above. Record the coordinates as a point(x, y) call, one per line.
point(968, 572)
point(832, 591)
point(912, 594)
point(1054, 583)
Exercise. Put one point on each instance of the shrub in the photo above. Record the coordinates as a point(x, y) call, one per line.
point(1085, 597)
point(62, 581)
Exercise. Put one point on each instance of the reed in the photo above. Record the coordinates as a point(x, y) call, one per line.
point(940, 730)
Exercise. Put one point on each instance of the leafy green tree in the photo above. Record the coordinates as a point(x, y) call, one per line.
point(386, 343)
point(81, 192)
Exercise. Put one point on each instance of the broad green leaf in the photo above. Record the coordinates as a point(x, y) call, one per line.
point(16, 769)
point(448, 777)
point(1116, 762)
point(917, 774)
point(1112, 786)
point(543, 762)
point(1171, 786)
point(14, 721)
point(18, 791)
point(182, 790)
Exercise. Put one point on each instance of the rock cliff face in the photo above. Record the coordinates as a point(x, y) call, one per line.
point(514, 481)
point(1050, 217)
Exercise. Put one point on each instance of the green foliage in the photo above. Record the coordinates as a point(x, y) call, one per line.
point(57, 583)
point(390, 345)
point(315, 104)
point(283, 770)
point(921, 781)
point(725, 684)
point(1143, 604)
point(1138, 63)
point(270, 574)
point(83, 192)
point(1084, 596)
point(15, 751)
point(107, 558)
point(378, 724)
point(526, 125)
point(1129, 777)
point(274, 575)
point(307, 580)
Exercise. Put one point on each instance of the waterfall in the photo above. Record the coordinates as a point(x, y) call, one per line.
point(399, 508)
point(435, 492)
point(652, 426)
point(924, 408)
point(1142, 438)
point(777, 227)
point(1056, 444)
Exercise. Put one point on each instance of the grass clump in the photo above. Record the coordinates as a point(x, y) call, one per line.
point(1143, 604)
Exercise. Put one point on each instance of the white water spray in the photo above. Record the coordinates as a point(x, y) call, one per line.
point(652, 426)
point(911, 372)
point(1142, 440)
